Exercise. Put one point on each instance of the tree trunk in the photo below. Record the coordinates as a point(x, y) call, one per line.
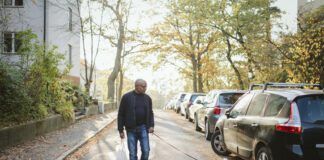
point(229, 58)
point(194, 73)
point(248, 51)
point(121, 83)
point(112, 77)
point(322, 77)
point(87, 87)
point(200, 78)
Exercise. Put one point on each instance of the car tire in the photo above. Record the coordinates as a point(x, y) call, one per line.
point(207, 132)
point(218, 145)
point(264, 153)
point(189, 119)
point(196, 124)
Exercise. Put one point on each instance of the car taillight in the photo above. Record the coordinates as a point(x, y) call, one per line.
point(217, 110)
point(293, 125)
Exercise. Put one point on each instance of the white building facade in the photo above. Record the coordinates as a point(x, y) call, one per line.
point(55, 22)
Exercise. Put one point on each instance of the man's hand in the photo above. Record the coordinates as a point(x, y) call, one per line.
point(151, 130)
point(122, 135)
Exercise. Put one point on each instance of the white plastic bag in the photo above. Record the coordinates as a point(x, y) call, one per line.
point(122, 150)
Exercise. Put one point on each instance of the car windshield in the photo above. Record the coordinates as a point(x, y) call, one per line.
point(229, 98)
point(311, 108)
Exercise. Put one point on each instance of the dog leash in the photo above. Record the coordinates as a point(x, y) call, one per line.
point(174, 146)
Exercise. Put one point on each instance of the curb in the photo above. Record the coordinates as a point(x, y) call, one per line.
point(82, 142)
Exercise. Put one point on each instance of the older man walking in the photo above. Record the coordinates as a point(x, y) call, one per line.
point(135, 114)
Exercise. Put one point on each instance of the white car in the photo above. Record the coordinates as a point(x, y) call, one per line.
point(198, 103)
point(187, 102)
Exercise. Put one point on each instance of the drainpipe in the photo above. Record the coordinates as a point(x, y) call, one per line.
point(44, 35)
point(44, 39)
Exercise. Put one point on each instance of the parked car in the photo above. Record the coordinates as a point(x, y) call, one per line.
point(179, 100)
point(173, 102)
point(198, 103)
point(215, 104)
point(187, 102)
point(276, 124)
point(169, 104)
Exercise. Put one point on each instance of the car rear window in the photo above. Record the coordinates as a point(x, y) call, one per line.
point(194, 97)
point(311, 108)
point(229, 98)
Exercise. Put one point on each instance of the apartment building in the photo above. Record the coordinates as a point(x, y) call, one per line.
point(55, 22)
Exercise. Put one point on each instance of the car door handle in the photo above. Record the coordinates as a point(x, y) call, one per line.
point(254, 125)
point(234, 125)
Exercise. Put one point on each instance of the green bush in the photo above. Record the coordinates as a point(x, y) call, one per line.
point(15, 103)
point(65, 109)
point(34, 87)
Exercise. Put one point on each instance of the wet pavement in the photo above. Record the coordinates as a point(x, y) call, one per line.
point(174, 139)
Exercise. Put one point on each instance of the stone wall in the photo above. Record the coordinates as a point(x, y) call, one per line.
point(10, 136)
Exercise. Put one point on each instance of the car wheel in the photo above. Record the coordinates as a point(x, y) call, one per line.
point(207, 132)
point(264, 153)
point(187, 117)
point(178, 110)
point(196, 124)
point(218, 145)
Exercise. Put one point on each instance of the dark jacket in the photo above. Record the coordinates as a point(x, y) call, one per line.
point(126, 113)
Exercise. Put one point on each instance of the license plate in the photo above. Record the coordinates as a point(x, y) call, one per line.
point(319, 145)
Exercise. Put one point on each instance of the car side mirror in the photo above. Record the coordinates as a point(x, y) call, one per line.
point(228, 113)
point(199, 102)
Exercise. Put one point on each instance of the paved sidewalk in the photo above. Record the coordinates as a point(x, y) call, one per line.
point(57, 144)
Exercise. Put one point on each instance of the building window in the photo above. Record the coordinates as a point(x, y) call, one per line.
point(70, 54)
point(13, 3)
point(70, 19)
point(11, 42)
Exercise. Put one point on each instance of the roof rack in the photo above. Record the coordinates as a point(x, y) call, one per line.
point(285, 85)
point(255, 85)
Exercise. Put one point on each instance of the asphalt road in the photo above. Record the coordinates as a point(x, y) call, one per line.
point(174, 139)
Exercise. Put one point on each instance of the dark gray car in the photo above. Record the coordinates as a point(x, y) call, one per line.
point(215, 104)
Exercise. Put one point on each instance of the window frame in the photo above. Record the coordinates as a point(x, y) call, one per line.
point(13, 4)
point(267, 105)
point(246, 107)
point(70, 19)
point(264, 105)
point(13, 42)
